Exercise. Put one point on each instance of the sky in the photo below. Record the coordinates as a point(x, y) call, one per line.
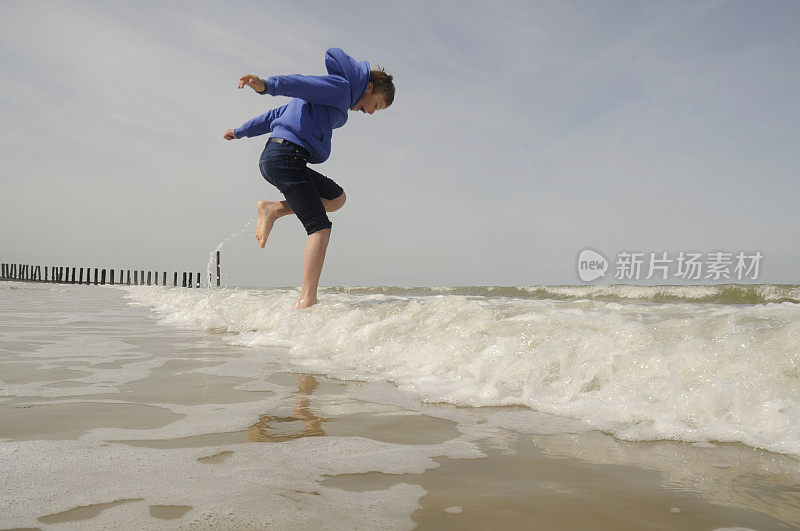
point(521, 134)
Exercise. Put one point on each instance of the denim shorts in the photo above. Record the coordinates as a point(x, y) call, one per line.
point(284, 165)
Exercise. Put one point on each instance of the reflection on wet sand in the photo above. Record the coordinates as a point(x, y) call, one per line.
point(302, 423)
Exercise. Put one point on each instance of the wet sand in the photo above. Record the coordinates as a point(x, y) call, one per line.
point(568, 481)
point(420, 465)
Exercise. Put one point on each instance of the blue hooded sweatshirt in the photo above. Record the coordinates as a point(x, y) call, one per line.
point(319, 105)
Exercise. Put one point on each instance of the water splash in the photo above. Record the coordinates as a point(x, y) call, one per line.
point(219, 246)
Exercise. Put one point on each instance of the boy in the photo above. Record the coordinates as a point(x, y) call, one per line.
point(301, 134)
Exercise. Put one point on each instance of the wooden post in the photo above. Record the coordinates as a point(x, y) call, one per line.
point(80, 276)
point(135, 278)
point(175, 279)
point(73, 275)
point(198, 280)
point(103, 278)
point(165, 279)
point(184, 279)
point(218, 268)
point(148, 277)
point(128, 278)
point(96, 274)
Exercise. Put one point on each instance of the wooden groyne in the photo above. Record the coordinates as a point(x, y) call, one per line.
point(101, 276)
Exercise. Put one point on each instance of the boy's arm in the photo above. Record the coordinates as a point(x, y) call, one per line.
point(333, 91)
point(259, 125)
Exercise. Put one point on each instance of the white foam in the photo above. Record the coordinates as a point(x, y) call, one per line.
point(268, 484)
point(691, 372)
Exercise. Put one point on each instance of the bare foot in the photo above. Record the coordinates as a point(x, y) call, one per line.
point(267, 214)
point(302, 303)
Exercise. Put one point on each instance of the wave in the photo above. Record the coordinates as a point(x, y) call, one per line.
point(712, 294)
point(630, 366)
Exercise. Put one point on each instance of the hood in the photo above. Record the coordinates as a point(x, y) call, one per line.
point(355, 72)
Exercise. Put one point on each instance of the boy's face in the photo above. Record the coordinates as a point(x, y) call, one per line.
point(370, 102)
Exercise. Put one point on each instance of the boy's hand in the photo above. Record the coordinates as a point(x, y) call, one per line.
point(229, 135)
point(254, 82)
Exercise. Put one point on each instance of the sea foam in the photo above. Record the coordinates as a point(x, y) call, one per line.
point(683, 371)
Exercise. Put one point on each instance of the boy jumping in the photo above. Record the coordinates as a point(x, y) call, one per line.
point(301, 134)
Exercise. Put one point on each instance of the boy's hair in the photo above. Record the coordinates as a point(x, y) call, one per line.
point(382, 84)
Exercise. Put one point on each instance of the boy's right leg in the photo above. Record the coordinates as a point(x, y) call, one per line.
point(269, 211)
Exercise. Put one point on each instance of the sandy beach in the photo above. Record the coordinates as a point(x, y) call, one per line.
point(109, 419)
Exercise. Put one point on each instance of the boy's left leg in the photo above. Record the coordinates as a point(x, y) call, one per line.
point(313, 258)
